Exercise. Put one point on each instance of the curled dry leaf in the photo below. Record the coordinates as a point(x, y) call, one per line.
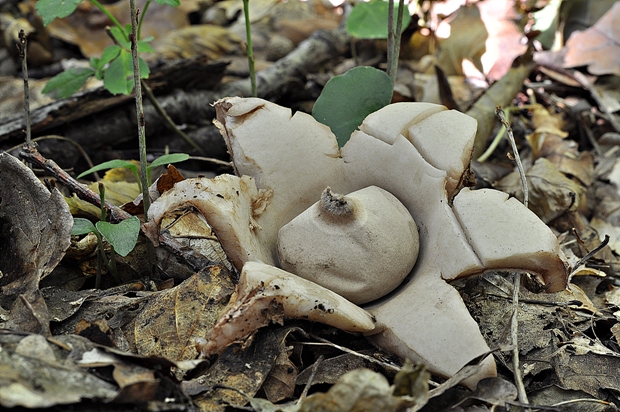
point(419, 153)
point(35, 232)
point(597, 47)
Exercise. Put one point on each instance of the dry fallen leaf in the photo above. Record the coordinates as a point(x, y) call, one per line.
point(467, 41)
point(597, 47)
point(551, 192)
point(86, 26)
point(35, 233)
point(199, 40)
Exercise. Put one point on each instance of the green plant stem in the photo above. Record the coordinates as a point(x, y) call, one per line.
point(100, 259)
point(498, 137)
point(397, 36)
point(390, 39)
point(146, 7)
point(169, 122)
point(109, 15)
point(102, 197)
point(146, 200)
point(248, 33)
point(112, 265)
point(394, 38)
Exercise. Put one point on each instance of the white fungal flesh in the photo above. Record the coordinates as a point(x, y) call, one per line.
point(418, 153)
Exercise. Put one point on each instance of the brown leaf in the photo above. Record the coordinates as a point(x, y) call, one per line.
point(243, 367)
point(505, 41)
point(550, 192)
point(170, 322)
point(200, 40)
point(467, 36)
point(86, 26)
point(34, 375)
point(168, 179)
point(597, 47)
point(35, 232)
point(357, 391)
point(280, 384)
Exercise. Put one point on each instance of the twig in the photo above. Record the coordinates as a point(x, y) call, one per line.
point(315, 368)
point(498, 137)
point(168, 121)
point(212, 160)
point(325, 342)
point(193, 259)
point(591, 253)
point(146, 200)
point(514, 334)
point(23, 54)
point(78, 146)
point(500, 113)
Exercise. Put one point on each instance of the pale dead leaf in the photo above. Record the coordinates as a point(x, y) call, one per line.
point(597, 47)
point(551, 193)
point(200, 40)
point(467, 41)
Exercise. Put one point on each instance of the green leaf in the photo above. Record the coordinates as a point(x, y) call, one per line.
point(144, 69)
point(112, 164)
point(68, 82)
point(169, 158)
point(370, 20)
point(121, 37)
point(82, 226)
point(145, 47)
point(122, 236)
point(109, 54)
point(173, 3)
point(116, 78)
point(347, 99)
point(51, 9)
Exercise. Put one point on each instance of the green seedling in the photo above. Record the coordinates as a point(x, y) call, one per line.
point(343, 104)
point(114, 66)
point(113, 164)
point(122, 237)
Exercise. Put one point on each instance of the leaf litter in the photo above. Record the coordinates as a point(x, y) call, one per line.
point(568, 341)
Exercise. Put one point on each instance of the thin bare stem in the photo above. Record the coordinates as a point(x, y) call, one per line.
point(146, 200)
point(502, 117)
point(139, 109)
point(248, 34)
point(23, 54)
point(514, 334)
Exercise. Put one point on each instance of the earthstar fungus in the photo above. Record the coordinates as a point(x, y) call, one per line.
point(361, 245)
point(419, 153)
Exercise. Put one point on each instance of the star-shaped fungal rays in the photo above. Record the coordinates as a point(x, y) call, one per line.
point(419, 153)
